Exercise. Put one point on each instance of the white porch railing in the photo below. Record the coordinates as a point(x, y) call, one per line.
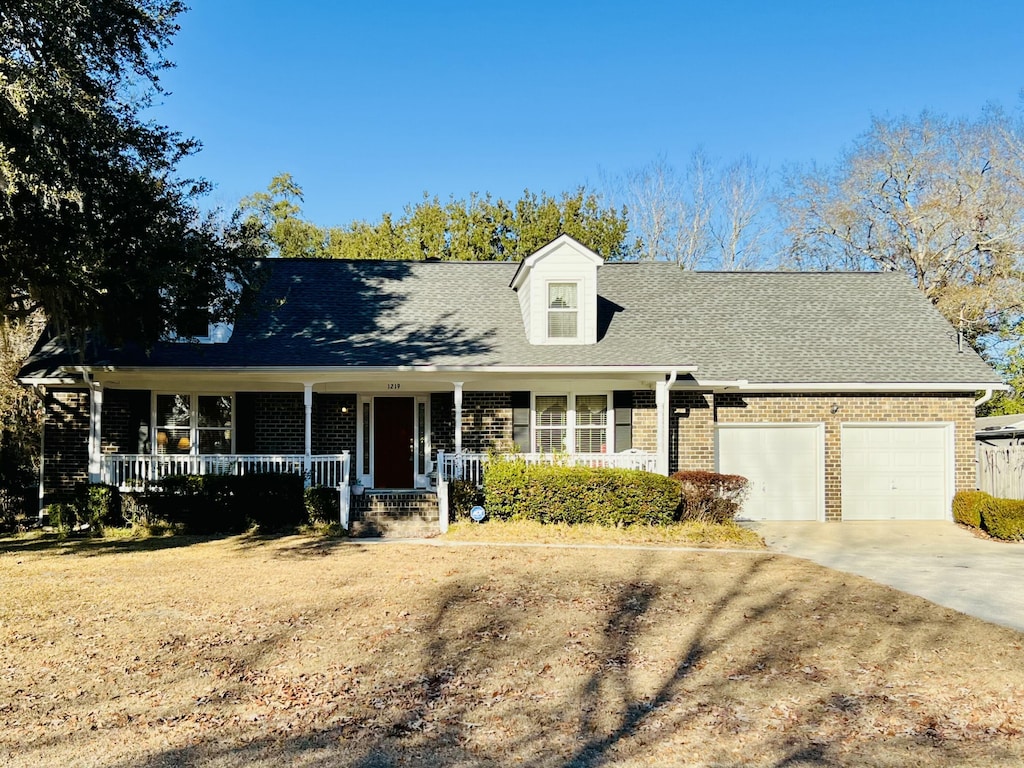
point(132, 470)
point(470, 466)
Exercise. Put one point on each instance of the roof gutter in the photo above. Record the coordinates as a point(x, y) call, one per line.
point(984, 398)
point(357, 370)
point(863, 386)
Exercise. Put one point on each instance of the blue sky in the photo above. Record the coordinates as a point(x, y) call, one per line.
point(370, 104)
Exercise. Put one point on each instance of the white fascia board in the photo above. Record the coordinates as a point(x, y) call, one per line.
point(357, 371)
point(860, 386)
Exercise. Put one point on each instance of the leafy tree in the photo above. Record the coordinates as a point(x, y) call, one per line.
point(477, 228)
point(20, 419)
point(96, 230)
point(939, 199)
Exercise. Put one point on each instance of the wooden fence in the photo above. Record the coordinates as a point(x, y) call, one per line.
point(1001, 469)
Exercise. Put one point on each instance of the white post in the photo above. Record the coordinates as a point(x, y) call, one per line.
point(458, 417)
point(442, 504)
point(42, 464)
point(344, 500)
point(307, 401)
point(95, 431)
point(661, 399)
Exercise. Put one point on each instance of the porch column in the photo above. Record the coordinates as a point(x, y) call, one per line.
point(661, 400)
point(307, 401)
point(458, 416)
point(95, 431)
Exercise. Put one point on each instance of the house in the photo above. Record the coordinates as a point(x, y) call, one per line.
point(840, 396)
point(1000, 430)
point(1000, 455)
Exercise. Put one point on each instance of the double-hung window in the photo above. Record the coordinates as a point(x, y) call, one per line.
point(191, 423)
point(571, 423)
point(563, 310)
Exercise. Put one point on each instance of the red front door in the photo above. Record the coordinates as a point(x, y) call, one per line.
point(393, 444)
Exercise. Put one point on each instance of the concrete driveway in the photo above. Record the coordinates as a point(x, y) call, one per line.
point(936, 560)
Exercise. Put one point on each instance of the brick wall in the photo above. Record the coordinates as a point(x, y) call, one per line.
point(124, 410)
point(279, 422)
point(66, 437)
point(442, 423)
point(691, 443)
point(334, 424)
point(766, 408)
point(645, 421)
point(486, 421)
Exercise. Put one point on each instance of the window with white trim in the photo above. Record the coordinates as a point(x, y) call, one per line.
point(563, 310)
point(573, 423)
point(191, 423)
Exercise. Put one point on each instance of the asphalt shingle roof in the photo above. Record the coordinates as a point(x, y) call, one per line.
point(774, 327)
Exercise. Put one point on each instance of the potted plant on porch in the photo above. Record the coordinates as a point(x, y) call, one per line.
point(357, 487)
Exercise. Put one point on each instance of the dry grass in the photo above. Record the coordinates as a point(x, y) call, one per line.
point(308, 652)
point(687, 534)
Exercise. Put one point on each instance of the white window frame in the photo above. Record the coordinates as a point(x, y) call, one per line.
point(570, 418)
point(193, 420)
point(548, 310)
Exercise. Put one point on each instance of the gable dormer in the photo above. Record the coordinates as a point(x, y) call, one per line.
point(557, 289)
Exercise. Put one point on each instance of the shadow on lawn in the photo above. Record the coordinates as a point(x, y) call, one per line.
point(304, 545)
point(478, 693)
point(48, 543)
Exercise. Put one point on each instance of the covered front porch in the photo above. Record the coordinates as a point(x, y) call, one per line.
point(395, 430)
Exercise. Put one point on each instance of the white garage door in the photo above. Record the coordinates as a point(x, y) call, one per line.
point(784, 464)
point(896, 472)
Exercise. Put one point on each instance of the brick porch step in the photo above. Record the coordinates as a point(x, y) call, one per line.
point(395, 514)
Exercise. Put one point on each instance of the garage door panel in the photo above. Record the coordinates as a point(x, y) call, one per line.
point(895, 472)
point(784, 467)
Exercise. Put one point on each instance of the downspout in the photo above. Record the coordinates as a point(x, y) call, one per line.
point(984, 398)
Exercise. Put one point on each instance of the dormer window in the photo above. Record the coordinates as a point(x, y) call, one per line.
point(557, 288)
point(563, 310)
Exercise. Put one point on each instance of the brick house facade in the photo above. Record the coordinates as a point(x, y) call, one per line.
point(831, 383)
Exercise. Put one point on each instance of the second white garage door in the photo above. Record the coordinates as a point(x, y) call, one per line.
point(784, 464)
point(897, 472)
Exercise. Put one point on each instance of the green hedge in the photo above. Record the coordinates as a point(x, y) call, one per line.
point(205, 504)
point(322, 504)
point(967, 507)
point(1003, 518)
point(514, 490)
point(463, 495)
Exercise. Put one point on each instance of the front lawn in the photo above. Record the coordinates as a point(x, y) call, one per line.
point(685, 534)
point(301, 651)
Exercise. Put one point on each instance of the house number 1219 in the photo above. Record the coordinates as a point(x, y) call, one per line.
point(394, 386)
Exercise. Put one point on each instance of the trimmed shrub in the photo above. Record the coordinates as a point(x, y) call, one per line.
point(967, 507)
point(709, 497)
point(63, 517)
point(271, 500)
point(99, 505)
point(463, 495)
point(558, 494)
point(322, 504)
point(205, 504)
point(1003, 518)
